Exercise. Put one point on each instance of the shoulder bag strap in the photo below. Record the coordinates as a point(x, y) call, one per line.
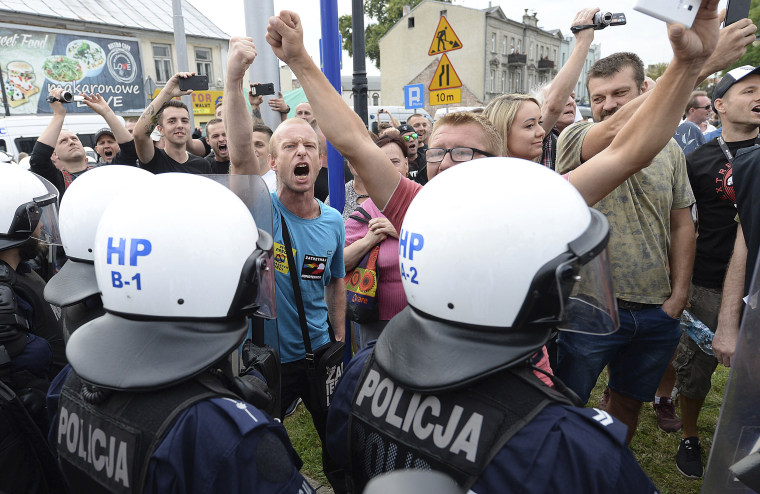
point(297, 292)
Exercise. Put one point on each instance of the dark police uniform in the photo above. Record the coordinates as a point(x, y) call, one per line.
point(561, 449)
point(220, 444)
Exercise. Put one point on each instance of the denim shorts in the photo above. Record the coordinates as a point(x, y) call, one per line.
point(638, 354)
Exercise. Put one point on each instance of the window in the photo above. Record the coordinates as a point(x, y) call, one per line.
point(504, 81)
point(554, 57)
point(542, 52)
point(530, 52)
point(504, 45)
point(203, 62)
point(162, 57)
point(493, 42)
point(410, 22)
point(512, 45)
point(493, 81)
point(375, 99)
point(519, 46)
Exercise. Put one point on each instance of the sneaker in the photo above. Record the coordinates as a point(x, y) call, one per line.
point(292, 407)
point(605, 400)
point(667, 420)
point(689, 458)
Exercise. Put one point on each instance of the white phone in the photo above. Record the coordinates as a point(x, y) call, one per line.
point(681, 11)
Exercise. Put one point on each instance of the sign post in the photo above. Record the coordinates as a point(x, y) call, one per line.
point(445, 88)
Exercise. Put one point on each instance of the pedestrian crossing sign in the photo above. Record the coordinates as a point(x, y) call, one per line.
point(444, 39)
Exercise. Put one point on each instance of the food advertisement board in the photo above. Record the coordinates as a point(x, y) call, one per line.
point(34, 62)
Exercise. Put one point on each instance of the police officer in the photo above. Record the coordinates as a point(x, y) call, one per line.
point(150, 403)
point(31, 342)
point(448, 385)
point(74, 288)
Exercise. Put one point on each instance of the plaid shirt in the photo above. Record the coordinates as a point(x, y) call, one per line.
point(549, 154)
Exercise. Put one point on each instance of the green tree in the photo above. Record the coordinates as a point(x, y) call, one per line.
point(384, 14)
point(752, 57)
point(654, 71)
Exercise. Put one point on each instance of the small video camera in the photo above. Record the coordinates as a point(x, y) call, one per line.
point(604, 19)
point(66, 97)
point(262, 89)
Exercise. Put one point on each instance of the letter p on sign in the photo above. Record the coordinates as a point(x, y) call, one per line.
point(414, 96)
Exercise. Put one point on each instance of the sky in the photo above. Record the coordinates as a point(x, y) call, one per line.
point(642, 34)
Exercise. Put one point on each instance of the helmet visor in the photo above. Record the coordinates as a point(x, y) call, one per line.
point(37, 219)
point(587, 296)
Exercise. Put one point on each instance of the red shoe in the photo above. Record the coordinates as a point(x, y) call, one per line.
point(667, 420)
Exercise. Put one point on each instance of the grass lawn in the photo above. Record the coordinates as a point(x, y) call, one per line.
point(655, 450)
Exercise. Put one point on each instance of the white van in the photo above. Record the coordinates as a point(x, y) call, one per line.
point(19, 133)
point(453, 109)
point(400, 113)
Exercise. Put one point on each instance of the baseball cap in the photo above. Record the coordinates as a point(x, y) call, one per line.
point(103, 132)
point(404, 128)
point(731, 78)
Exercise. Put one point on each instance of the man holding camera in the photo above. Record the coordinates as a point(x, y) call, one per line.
point(172, 119)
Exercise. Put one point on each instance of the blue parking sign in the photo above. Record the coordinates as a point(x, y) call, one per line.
point(414, 96)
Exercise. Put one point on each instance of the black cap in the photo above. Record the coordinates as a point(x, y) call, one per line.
point(404, 129)
point(102, 132)
point(731, 78)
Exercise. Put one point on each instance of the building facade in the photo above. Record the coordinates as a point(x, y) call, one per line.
point(125, 54)
point(498, 55)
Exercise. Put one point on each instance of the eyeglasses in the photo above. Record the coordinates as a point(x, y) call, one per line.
point(708, 107)
point(409, 137)
point(436, 155)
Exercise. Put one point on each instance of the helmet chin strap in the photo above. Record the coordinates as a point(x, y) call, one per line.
point(560, 386)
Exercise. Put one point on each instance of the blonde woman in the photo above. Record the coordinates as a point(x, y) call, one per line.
point(517, 117)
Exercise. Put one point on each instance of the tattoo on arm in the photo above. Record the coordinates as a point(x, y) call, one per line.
point(256, 114)
point(150, 115)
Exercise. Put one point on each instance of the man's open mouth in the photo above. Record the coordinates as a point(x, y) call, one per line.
point(302, 170)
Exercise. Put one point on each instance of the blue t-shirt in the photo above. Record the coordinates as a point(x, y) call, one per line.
point(318, 246)
point(216, 445)
point(563, 449)
point(688, 136)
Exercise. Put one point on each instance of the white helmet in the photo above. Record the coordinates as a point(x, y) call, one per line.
point(489, 254)
point(28, 207)
point(178, 265)
point(81, 208)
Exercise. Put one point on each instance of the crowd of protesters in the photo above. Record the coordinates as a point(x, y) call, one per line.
point(602, 239)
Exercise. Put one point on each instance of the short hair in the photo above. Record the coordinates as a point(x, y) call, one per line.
point(609, 66)
point(502, 110)
point(417, 115)
point(693, 100)
point(288, 123)
point(386, 139)
point(173, 103)
point(218, 105)
point(494, 141)
point(265, 129)
point(211, 122)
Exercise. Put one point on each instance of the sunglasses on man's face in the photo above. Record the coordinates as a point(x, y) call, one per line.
point(409, 137)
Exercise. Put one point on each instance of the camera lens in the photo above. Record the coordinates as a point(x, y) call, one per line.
point(67, 97)
point(607, 17)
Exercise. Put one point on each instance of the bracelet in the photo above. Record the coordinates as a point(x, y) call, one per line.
point(286, 111)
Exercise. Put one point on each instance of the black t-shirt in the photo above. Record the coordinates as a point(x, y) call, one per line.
point(712, 181)
point(39, 163)
point(747, 183)
point(321, 188)
point(218, 167)
point(162, 163)
point(127, 155)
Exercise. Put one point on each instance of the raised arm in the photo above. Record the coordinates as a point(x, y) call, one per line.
point(650, 128)
point(237, 121)
point(147, 121)
point(50, 135)
point(278, 104)
point(96, 103)
point(732, 44)
point(342, 127)
point(564, 83)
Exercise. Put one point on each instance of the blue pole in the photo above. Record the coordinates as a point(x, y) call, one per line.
point(331, 68)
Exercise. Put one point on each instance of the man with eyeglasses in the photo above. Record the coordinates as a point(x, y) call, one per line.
point(414, 154)
point(698, 111)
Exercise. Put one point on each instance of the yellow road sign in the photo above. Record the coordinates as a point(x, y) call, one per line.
point(446, 97)
point(445, 76)
point(444, 39)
